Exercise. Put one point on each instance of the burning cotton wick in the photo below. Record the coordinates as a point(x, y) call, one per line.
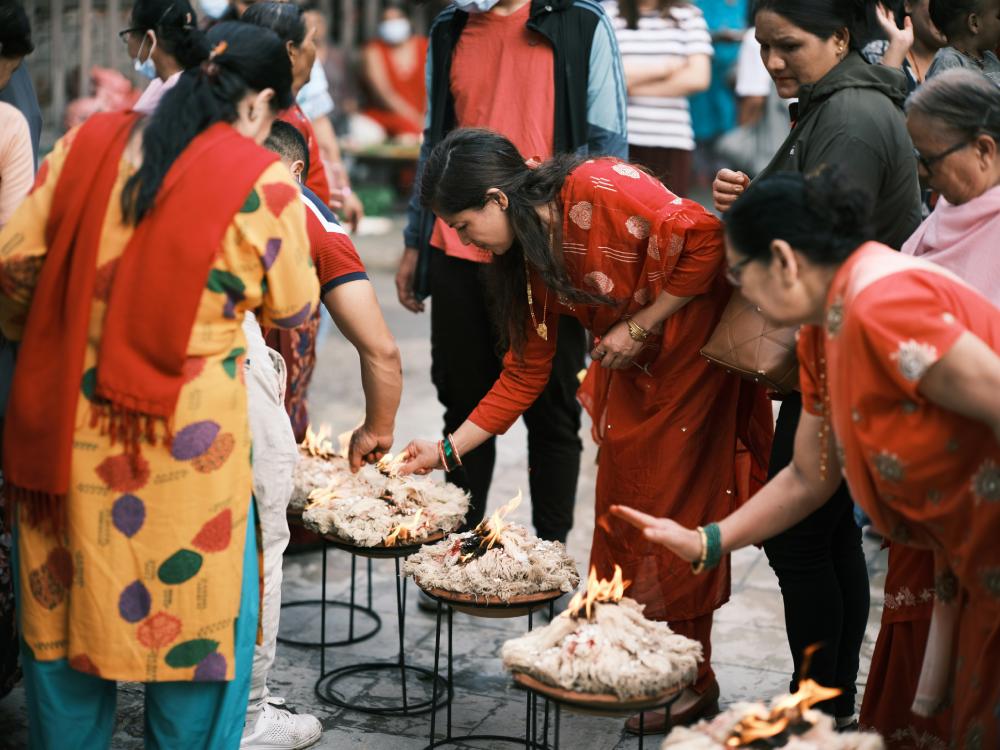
point(405, 530)
point(317, 443)
point(597, 591)
point(786, 713)
point(488, 531)
point(387, 465)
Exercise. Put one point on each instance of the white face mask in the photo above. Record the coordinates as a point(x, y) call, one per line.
point(394, 31)
point(146, 69)
point(474, 6)
point(214, 8)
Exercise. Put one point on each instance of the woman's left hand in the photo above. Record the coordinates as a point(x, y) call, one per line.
point(617, 348)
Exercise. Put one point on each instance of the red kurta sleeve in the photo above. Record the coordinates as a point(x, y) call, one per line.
point(519, 383)
point(810, 344)
point(702, 255)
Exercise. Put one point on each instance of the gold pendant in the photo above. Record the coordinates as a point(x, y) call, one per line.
point(543, 331)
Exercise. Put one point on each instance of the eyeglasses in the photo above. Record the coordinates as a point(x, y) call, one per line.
point(733, 273)
point(124, 35)
point(927, 162)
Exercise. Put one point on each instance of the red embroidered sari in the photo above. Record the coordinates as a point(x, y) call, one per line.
point(927, 477)
point(668, 432)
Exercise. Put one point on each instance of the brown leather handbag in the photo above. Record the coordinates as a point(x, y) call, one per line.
point(746, 344)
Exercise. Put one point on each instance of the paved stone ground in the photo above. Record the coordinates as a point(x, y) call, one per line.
point(750, 652)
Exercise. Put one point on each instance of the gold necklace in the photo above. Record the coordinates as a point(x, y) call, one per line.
point(543, 330)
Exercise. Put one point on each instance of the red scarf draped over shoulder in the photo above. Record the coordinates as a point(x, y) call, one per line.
point(151, 310)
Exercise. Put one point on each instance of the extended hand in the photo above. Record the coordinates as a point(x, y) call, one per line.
point(367, 447)
point(685, 543)
point(404, 281)
point(423, 458)
point(728, 186)
point(617, 348)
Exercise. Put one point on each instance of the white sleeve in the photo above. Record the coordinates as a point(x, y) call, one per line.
point(752, 78)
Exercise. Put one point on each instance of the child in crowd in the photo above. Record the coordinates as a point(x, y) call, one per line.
point(972, 28)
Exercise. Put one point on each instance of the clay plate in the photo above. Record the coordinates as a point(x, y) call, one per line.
point(493, 607)
point(380, 550)
point(598, 704)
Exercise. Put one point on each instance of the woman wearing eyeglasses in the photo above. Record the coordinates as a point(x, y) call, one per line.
point(643, 271)
point(848, 113)
point(901, 392)
point(163, 41)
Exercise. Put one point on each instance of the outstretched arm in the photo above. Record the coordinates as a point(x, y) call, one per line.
point(788, 498)
point(354, 308)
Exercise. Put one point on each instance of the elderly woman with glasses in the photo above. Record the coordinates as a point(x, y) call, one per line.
point(901, 393)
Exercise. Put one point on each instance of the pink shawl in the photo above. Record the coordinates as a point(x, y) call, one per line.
point(963, 239)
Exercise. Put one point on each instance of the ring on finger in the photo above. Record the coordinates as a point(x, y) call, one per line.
point(599, 353)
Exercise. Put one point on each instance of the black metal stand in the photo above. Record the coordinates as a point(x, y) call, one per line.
point(324, 685)
point(351, 606)
point(530, 739)
point(559, 705)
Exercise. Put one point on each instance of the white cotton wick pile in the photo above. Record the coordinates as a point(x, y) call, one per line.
point(821, 733)
point(616, 651)
point(365, 515)
point(518, 563)
point(318, 473)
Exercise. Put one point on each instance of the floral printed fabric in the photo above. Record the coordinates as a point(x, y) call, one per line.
point(144, 584)
point(926, 476)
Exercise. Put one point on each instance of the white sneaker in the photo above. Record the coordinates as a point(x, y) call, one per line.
point(280, 729)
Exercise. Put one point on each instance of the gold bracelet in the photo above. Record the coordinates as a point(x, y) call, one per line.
point(700, 567)
point(636, 331)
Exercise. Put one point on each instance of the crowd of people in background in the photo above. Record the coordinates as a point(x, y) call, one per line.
point(850, 148)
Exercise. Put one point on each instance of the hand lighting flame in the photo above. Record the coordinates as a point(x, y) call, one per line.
point(317, 443)
point(389, 465)
point(405, 530)
point(597, 591)
point(489, 529)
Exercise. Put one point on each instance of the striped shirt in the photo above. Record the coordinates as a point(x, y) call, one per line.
point(659, 120)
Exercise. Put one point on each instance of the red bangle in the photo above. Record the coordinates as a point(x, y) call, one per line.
point(454, 450)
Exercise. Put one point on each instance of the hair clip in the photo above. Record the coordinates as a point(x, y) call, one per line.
point(188, 26)
point(219, 49)
point(533, 163)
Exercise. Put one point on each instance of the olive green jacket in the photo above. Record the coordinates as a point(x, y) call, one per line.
point(853, 117)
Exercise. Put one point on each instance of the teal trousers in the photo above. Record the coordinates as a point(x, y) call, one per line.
point(71, 710)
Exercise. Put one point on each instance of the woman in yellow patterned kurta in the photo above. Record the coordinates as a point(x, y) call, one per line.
point(146, 583)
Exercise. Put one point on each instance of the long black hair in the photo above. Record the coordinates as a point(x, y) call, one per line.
point(253, 59)
point(176, 28)
point(456, 178)
point(823, 17)
point(824, 216)
point(284, 19)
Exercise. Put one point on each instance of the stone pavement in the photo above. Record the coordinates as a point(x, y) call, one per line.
point(750, 653)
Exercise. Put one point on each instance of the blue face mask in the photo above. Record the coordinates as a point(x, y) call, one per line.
point(214, 8)
point(474, 6)
point(146, 69)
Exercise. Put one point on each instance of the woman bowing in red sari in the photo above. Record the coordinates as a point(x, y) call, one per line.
point(900, 381)
point(641, 269)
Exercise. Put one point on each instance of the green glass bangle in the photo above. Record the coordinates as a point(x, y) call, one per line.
point(714, 553)
point(450, 462)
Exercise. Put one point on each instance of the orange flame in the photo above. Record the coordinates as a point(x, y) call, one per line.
point(489, 529)
point(317, 443)
point(387, 464)
point(786, 711)
point(597, 591)
point(404, 530)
